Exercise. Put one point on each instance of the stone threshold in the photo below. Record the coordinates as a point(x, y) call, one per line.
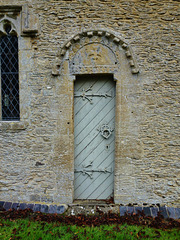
point(166, 212)
point(93, 208)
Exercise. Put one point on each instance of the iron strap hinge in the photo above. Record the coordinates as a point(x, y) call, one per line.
point(85, 94)
point(89, 172)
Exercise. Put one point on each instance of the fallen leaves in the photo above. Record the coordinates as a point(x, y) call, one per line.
point(94, 220)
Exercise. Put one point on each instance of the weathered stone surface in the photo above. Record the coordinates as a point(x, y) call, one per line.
point(177, 213)
point(138, 209)
point(52, 208)
point(147, 211)
point(37, 208)
point(30, 206)
point(171, 212)
point(7, 205)
point(130, 210)
point(94, 208)
point(123, 210)
point(154, 212)
point(2, 203)
point(163, 211)
point(60, 209)
point(22, 206)
point(44, 208)
point(15, 206)
point(138, 43)
point(91, 208)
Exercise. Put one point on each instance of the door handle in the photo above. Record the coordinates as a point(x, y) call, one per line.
point(105, 131)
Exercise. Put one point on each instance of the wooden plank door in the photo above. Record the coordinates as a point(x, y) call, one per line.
point(94, 123)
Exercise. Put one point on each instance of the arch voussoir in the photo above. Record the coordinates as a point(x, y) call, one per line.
point(101, 34)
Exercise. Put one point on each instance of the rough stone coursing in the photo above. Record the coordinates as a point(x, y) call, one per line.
point(36, 154)
point(90, 209)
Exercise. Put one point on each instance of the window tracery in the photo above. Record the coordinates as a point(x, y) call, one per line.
point(17, 22)
point(9, 74)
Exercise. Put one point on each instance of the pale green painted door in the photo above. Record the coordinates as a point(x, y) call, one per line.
point(94, 122)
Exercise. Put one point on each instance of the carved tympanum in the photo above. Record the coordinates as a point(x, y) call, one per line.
point(94, 51)
point(93, 57)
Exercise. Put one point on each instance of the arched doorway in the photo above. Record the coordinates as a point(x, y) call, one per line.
point(84, 64)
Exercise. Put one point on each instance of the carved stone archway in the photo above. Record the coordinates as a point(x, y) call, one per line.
point(94, 52)
point(88, 39)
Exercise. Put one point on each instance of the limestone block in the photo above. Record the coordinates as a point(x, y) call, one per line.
point(30, 23)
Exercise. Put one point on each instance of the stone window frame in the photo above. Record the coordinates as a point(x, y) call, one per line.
point(7, 114)
point(25, 24)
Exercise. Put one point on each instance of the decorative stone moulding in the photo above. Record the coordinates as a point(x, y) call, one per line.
point(7, 20)
point(111, 38)
point(30, 22)
point(22, 19)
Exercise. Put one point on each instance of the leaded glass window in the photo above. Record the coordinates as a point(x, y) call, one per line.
point(9, 76)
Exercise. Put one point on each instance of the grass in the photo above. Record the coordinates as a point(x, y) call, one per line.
point(34, 230)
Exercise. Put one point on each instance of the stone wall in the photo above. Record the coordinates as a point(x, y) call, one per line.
point(37, 152)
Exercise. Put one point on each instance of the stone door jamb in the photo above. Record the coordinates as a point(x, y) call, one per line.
point(94, 52)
